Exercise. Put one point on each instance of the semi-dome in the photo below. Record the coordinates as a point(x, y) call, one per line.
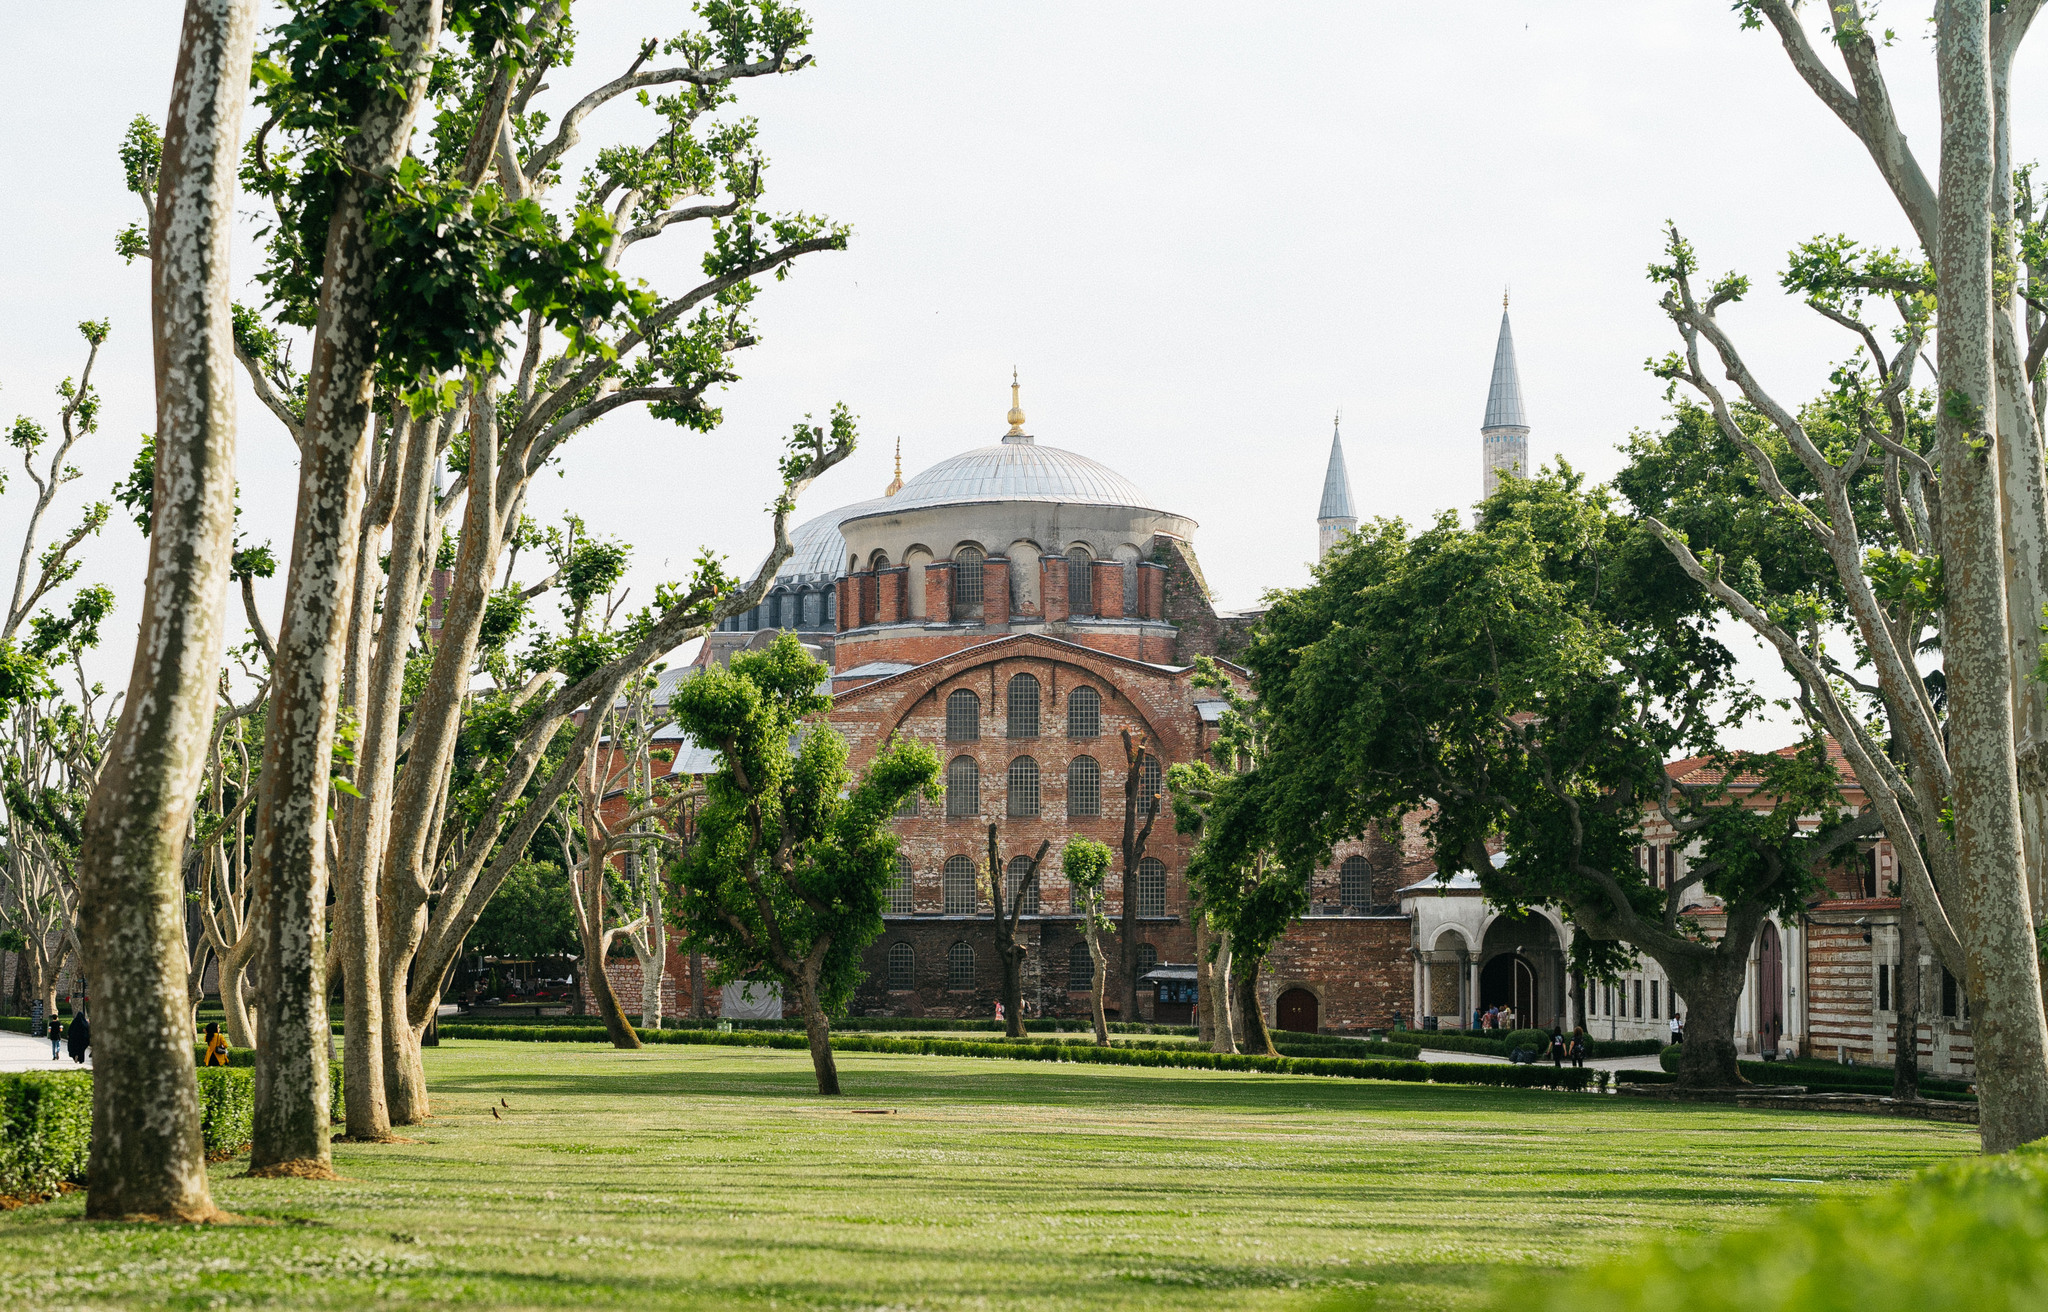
point(816, 549)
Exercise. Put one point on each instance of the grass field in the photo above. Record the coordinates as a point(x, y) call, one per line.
point(713, 1177)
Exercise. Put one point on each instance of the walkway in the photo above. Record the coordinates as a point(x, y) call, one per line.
point(1647, 1062)
point(25, 1052)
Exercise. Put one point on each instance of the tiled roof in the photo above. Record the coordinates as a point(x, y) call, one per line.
point(1702, 770)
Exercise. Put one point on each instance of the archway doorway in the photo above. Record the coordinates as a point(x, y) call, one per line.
point(1297, 1010)
point(1770, 989)
point(1510, 981)
point(1522, 966)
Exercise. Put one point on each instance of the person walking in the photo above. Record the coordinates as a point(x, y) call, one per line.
point(216, 1045)
point(79, 1037)
point(1578, 1046)
point(56, 1038)
point(1677, 1030)
point(1557, 1047)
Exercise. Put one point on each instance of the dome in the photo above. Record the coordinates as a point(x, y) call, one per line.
point(1015, 471)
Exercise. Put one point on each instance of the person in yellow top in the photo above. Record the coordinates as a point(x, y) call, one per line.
point(216, 1045)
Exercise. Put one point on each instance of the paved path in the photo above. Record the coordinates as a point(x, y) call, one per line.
point(25, 1052)
point(1644, 1063)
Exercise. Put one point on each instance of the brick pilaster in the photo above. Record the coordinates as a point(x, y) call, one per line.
point(1052, 588)
point(1109, 589)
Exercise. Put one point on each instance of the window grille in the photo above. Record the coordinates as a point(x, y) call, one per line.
point(1148, 957)
point(908, 807)
point(902, 966)
point(960, 966)
point(1355, 880)
point(963, 716)
point(1023, 787)
point(899, 892)
point(959, 886)
point(1080, 968)
point(1654, 1000)
point(1148, 785)
point(1639, 1000)
point(832, 608)
point(967, 578)
point(1130, 587)
point(1013, 882)
point(1084, 713)
point(1022, 706)
point(1080, 582)
point(810, 610)
point(1084, 788)
point(1151, 887)
point(1884, 988)
point(963, 787)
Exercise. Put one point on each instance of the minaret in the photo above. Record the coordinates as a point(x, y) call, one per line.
point(1335, 519)
point(1504, 437)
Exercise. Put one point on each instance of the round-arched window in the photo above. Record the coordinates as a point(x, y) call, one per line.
point(900, 892)
point(1013, 886)
point(1084, 788)
point(902, 966)
point(1148, 785)
point(1023, 787)
point(1354, 880)
point(960, 966)
point(1084, 713)
point(1151, 887)
point(958, 880)
point(1080, 581)
point(967, 578)
point(1021, 706)
point(1080, 968)
point(963, 787)
point(963, 716)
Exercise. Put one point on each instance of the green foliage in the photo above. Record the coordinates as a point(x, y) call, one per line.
point(794, 856)
point(1528, 1040)
point(137, 491)
point(45, 1130)
point(1467, 1041)
point(78, 629)
point(1969, 1237)
point(533, 914)
point(1085, 863)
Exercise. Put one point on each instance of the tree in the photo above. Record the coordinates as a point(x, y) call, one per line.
point(533, 915)
point(1143, 789)
point(1085, 863)
point(1978, 510)
point(793, 856)
point(148, 1158)
point(1009, 952)
point(1523, 683)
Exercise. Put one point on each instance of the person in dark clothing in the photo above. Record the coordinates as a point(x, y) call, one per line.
point(80, 1035)
point(56, 1038)
point(1557, 1047)
point(1577, 1047)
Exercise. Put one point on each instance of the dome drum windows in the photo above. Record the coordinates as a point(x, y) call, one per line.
point(963, 788)
point(958, 879)
point(902, 967)
point(960, 966)
point(1084, 788)
point(967, 576)
point(1080, 581)
point(1023, 787)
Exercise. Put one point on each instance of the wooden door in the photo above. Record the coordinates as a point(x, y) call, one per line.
point(1770, 990)
point(1297, 1011)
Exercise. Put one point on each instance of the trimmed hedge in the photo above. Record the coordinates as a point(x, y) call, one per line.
point(1830, 1076)
point(1467, 1041)
point(1060, 1025)
point(1971, 1236)
point(1167, 1056)
point(45, 1130)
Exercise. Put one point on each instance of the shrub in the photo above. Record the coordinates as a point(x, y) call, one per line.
point(1467, 1041)
point(1972, 1235)
point(1668, 1058)
point(227, 1110)
point(45, 1130)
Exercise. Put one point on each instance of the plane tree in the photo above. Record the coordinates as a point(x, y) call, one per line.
point(1085, 863)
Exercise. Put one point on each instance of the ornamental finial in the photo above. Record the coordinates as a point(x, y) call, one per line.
point(896, 484)
point(1016, 415)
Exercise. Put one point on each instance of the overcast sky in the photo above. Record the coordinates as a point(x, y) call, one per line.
point(1197, 230)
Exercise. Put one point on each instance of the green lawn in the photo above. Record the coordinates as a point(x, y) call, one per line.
point(708, 1177)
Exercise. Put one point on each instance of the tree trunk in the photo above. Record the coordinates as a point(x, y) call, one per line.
point(1256, 1038)
point(1906, 1006)
point(239, 1022)
point(1712, 992)
point(652, 963)
point(148, 1158)
point(1205, 994)
point(1226, 1030)
point(697, 1008)
point(2011, 1032)
point(820, 1032)
point(1101, 982)
point(616, 1027)
point(1010, 956)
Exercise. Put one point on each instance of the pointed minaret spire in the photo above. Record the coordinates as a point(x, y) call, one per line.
point(1334, 519)
point(1504, 436)
point(896, 484)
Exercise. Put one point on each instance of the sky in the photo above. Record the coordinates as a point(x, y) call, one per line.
point(1196, 230)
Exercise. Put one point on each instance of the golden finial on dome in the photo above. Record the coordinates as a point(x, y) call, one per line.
point(1503, 298)
point(896, 484)
point(1016, 408)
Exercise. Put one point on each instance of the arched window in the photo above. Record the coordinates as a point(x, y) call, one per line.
point(960, 966)
point(909, 806)
point(963, 787)
point(1084, 788)
point(959, 886)
point(1151, 887)
point(1023, 786)
point(811, 607)
point(899, 892)
point(1354, 879)
point(967, 578)
point(1084, 713)
point(1080, 968)
point(902, 966)
point(1148, 785)
point(1080, 581)
point(1013, 882)
point(1022, 705)
point(963, 716)
point(831, 607)
point(1148, 957)
point(880, 561)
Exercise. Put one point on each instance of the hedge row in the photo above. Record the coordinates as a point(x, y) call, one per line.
point(1181, 1056)
point(1070, 1024)
point(1466, 1041)
point(1829, 1075)
point(1971, 1236)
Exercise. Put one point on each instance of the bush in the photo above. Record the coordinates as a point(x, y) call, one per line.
point(1668, 1058)
point(45, 1130)
point(1968, 1236)
point(227, 1110)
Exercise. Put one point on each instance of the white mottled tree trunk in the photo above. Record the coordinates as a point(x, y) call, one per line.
point(2011, 1040)
point(148, 1158)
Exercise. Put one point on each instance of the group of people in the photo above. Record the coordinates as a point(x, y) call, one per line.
point(1494, 1018)
point(1568, 1047)
point(78, 1033)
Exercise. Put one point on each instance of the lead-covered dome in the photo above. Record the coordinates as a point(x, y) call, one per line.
point(816, 548)
point(1015, 471)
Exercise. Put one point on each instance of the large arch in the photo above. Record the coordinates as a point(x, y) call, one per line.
point(1522, 965)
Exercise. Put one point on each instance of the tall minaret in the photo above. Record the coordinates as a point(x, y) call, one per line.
point(1335, 519)
point(1504, 437)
